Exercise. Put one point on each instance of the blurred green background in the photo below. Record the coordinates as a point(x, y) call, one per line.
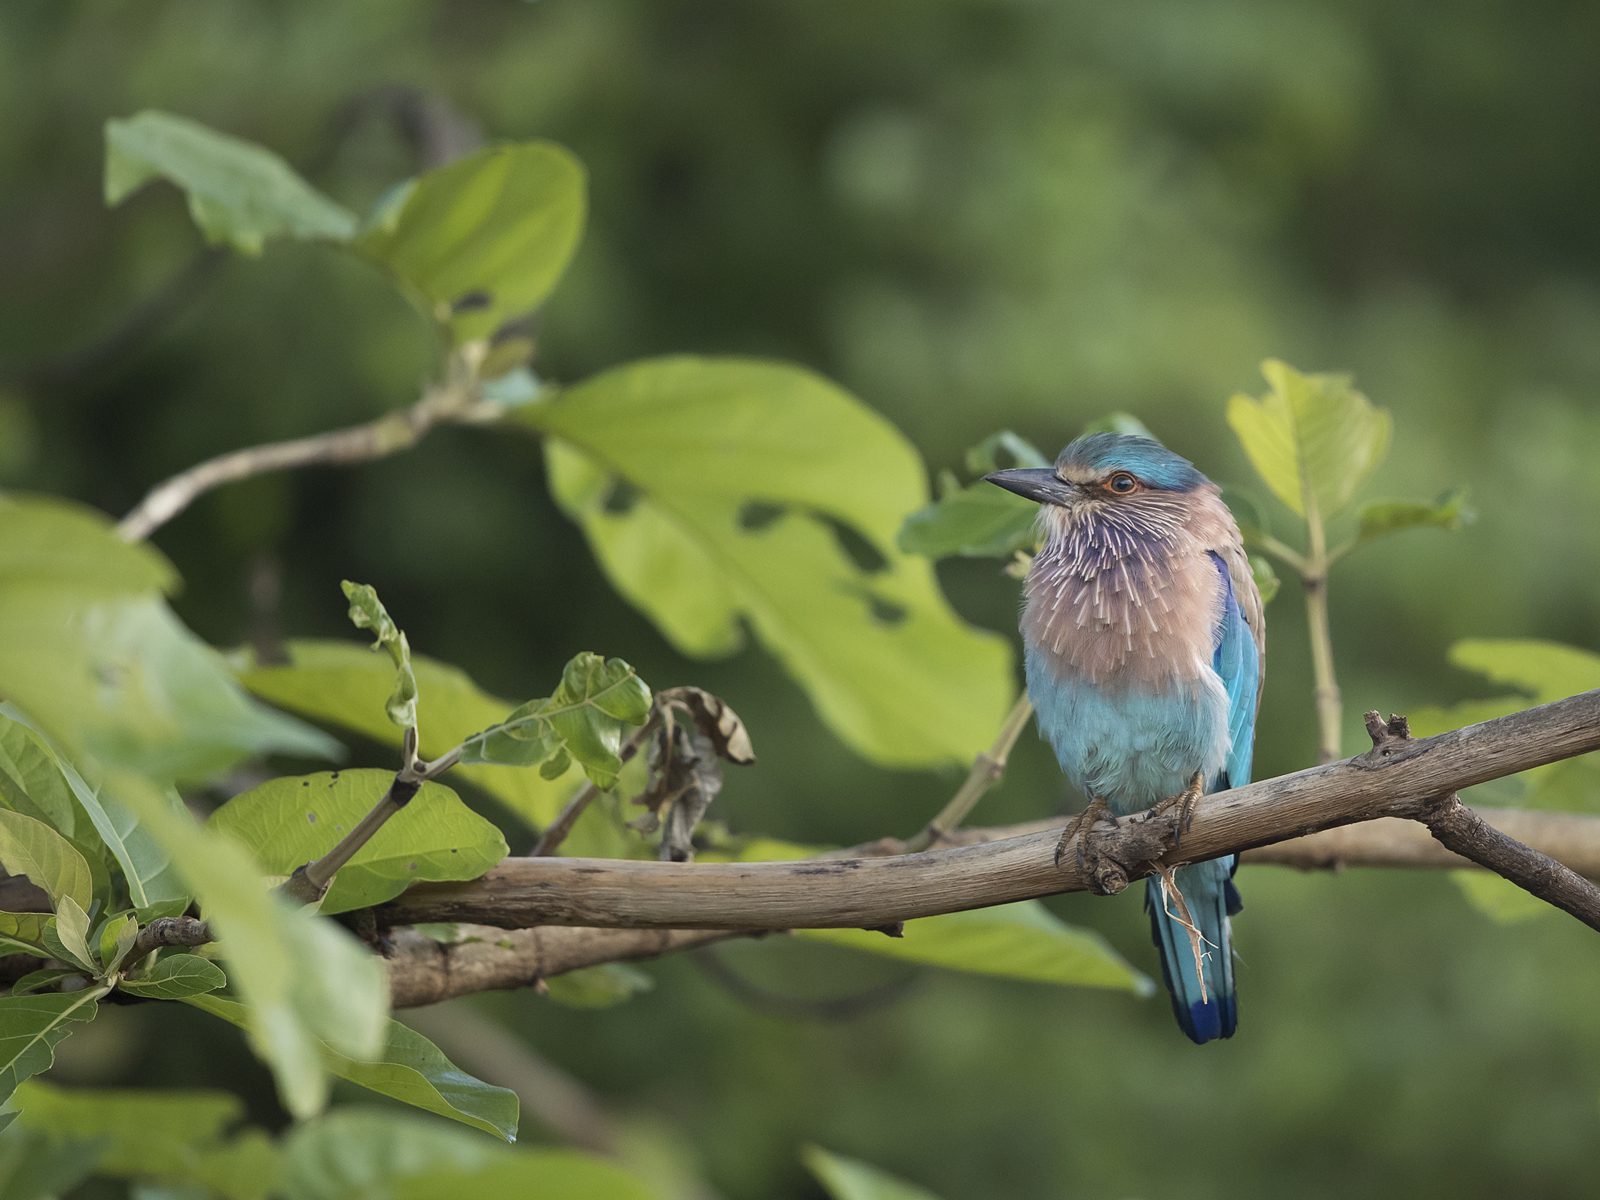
point(973, 215)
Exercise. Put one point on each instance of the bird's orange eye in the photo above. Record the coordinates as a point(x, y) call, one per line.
point(1122, 483)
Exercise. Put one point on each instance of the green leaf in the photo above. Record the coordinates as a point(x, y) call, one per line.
point(31, 1027)
point(30, 847)
point(368, 612)
point(661, 463)
point(344, 685)
point(1502, 901)
point(43, 980)
point(486, 238)
point(31, 781)
point(305, 979)
point(1004, 449)
point(1313, 439)
point(171, 1136)
point(411, 1069)
point(54, 543)
point(293, 820)
point(583, 719)
point(238, 192)
point(361, 1152)
point(564, 1173)
point(598, 987)
point(175, 977)
point(102, 664)
point(155, 888)
point(1541, 672)
point(851, 1179)
point(117, 935)
point(72, 935)
point(1014, 941)
point(1267, 581)
point(1118, 422)
point(23, 933)
point(976, 521)
point(1380, 517)
point(40, 1164)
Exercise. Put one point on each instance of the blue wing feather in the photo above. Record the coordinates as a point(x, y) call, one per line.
point(1236, 658)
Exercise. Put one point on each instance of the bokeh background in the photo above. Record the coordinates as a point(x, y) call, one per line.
point(974, 215)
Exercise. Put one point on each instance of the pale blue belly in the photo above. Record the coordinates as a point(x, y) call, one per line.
point(1131, 747)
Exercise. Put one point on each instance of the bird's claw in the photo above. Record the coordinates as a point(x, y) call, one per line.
point(1106, 875)
point(1183, 804)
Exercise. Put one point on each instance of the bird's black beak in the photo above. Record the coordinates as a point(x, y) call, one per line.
point(1040, 484)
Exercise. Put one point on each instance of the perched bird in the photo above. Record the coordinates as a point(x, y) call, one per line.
point(1144, 647)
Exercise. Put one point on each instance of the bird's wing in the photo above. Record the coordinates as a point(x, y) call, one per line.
point(1239, 657)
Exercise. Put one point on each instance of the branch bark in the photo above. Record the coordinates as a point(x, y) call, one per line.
point(1395, 779)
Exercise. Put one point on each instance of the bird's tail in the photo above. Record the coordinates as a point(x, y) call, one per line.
point(1211, 899)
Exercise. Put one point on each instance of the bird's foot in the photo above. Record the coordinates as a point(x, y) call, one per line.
point(1106, 874)
point(1181, 806)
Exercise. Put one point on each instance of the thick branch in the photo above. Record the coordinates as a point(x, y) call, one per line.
point(1394, 779)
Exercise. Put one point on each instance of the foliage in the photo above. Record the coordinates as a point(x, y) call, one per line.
point(963, 306)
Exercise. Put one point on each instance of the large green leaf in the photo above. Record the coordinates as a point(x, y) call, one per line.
point(30, 847)
point(305, 979)
point(95, 656)
point(1312, 438)
point(344, 685)
point(292, 820)
point(31, 1027)
point(31, 780)
point(175, 977)
point(484, 239)
point(382, 1156)
point(368, 612)
point(581, 721)
point(238, 192)
point(41, 1164)
point(852, 1179)
point(1541, 672)
point(714, 492)
point(978, 520)
point(170, 1136)
point(155, 886)
point(1015, 941)
point(411, 1069)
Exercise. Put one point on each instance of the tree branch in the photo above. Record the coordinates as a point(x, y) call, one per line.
point(450, 403)
point(1394, 779)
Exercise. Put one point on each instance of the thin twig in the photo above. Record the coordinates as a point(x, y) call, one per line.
point(310, 881)
point(550, 841)
point(453, 403)
point(986, 772)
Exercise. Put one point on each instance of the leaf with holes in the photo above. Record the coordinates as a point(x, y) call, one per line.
point(368, 612)
point(297, 818)
point(583, 719)
point(238, 192)
point(717, 493)
point(1313, 439)
point(485, 239)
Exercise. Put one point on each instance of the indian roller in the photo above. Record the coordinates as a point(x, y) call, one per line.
point(1144, 646)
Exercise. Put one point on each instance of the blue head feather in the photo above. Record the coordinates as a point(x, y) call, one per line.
point(1153, 464)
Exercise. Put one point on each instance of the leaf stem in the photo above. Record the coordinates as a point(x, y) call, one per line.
point(551, 839)
point(986, 771)
point(1282, 552)
point(1325, 685)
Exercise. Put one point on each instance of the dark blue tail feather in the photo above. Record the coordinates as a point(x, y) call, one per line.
point(1212, 898)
